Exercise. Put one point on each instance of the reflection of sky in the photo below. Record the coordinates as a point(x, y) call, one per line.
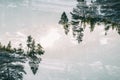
point(96, 58)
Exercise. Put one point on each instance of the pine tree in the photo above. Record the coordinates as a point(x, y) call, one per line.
point(64, 18)
point(8, 48)
point(39, 49)
point(19, 50)
point(64, 21)
point(105, 12)
point(110, 13)
point(0, 46)
point(34, 64)
point(29, 41)
point(33, 54)
point(10, 69)
point(9, 45)
point(33, 50)
point(4, 48)
point(110, 9)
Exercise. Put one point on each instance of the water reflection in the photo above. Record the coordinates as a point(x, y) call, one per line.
point(97, 59)
point(33, 53)
point(96, 13)
point(13, 59)
point(34, 63)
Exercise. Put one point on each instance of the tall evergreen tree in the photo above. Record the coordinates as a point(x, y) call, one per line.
point(39, 49)
point(10, 69)
point(110, 9)
point(110, 12)
point(29, 41)
point(19, 50)
point(9, 46)
point(34, 64)
point(105, 12)
point(64, 21)
point(0, 46)
point(33, 50)
point(34, 53)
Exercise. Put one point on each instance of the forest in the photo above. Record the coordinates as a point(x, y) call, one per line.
point(11, 67)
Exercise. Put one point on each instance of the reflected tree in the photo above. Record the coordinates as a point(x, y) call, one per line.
point(12, 59)
point(8, 48)
point(64, 21)
point(20, 50)
point(34, 52)
point(34, 63)
point(99, 12)
point(110, 9)
point(110, 12)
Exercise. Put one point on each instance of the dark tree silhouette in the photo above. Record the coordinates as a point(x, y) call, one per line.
point(0, 45)
point(19, 50)
point(10, 69)
point(110, 12)
point(64, 21)
point(29, 41)
point(9, 45)
point(7, 48)
point(34, 52)
point(39, 50)
point(34, 64)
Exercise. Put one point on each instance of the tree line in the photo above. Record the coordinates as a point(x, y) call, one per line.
point(105, 12)
point(32, 48)
point(12, 59)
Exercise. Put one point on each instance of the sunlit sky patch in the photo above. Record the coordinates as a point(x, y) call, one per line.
point(50, 38)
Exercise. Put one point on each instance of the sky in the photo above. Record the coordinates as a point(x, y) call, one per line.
point(21, 15)
point(96, 58)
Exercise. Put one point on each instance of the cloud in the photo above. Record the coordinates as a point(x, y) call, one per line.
point(53, 65)
point(97, 65)
point(15, 37)
point(112, 70)
point(54, 5)
point(7, 34)
point(41, 5)
point(104, 41)
point(11, 5)
point(19, 34)
point(50, 38)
